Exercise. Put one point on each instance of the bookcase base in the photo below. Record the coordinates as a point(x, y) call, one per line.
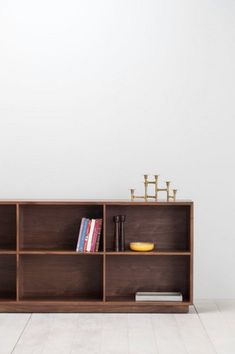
point(46, 307)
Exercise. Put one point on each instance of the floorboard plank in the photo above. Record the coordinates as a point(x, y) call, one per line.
point(167, 334)
point(193, 334)
point(207, 330)
point(11, 327)
point(141, 335)
point(114, 337)
point(216, 327)
point(48, 334)
point(87, 339)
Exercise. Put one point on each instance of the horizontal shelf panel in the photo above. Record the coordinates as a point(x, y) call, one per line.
point(6, 251)
point(94, 201)
point(61, 299)
point(152, 253)
point(60, 252)
point(108, 253)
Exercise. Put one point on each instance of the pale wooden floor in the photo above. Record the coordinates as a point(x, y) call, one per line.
point(208, 328)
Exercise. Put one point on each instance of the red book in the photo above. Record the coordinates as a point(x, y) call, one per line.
point(87, 234)
point(95, 234)
point(98, 236)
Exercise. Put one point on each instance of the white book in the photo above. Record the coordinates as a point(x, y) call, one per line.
point(89, 240)
point(158, 296)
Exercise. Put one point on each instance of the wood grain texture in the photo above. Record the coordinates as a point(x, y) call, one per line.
point(60, 277)
point(90, 307)
point(126, 275)
point(7, 277)
point(53, 226)
point(8, 227)
point(41, 271)
point(166, 226)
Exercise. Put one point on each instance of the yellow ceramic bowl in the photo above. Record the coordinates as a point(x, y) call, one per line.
point(141, 246)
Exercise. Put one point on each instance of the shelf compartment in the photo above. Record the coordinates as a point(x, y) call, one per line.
point(167, 226)
point(125, 275)
point(60, 278)
point(7, 227)
point(54, 227)
point(7, 277)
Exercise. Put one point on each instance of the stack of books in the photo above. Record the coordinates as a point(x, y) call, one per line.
point(89, 235)
point(158, 296)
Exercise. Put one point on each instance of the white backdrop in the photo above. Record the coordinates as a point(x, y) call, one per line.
point(95, 93)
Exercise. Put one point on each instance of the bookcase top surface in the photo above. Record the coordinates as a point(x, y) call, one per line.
point(95, 201)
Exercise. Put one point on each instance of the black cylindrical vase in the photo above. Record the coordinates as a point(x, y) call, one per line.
point(116, 220)
point(122, 232)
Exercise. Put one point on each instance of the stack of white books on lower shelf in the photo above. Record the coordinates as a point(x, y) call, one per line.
point(158, 296)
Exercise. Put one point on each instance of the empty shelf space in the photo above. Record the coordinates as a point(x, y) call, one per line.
point(7, 277)
point(60, 277)
point(7, 227)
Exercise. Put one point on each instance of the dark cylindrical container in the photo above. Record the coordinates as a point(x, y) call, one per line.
point(122, 232)
point(116, 220)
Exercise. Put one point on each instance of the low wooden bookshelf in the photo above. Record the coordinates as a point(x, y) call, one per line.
point(40, 270)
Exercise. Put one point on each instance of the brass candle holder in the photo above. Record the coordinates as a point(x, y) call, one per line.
point(146, 196)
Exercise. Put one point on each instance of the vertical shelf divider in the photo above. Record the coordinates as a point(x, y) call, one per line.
point(17, 250)
point(104, 252)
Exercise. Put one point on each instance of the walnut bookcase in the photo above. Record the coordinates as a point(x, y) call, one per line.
point(41, 272)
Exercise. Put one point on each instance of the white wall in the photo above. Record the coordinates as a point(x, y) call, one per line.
point(95, 93)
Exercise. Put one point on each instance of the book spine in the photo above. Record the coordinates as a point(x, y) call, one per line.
point(95, 234)
point(83, 235)
point(90, 236)
point(98, 236)
point(80, 234)
point(87, 235)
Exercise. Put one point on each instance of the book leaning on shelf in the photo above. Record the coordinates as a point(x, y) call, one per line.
point(89, 235)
